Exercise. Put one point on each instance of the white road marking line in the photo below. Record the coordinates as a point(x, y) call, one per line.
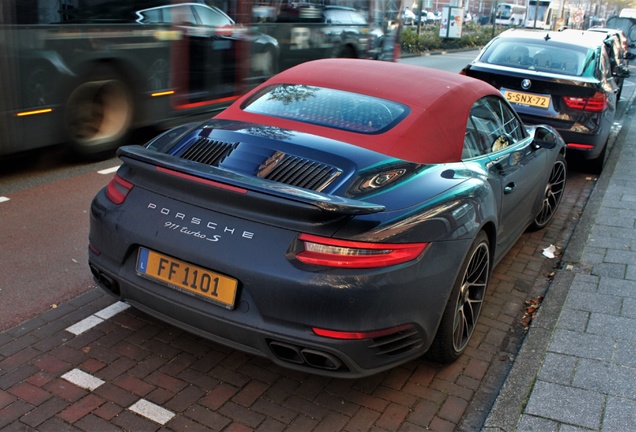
point(112, 310)
point(82, 379)
point(97, 318)
point(3, 199)
point(84, 325)
point(108, 170)
point(151, 411)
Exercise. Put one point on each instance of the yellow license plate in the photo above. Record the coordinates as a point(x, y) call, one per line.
point(527, 99)
point(188, 277)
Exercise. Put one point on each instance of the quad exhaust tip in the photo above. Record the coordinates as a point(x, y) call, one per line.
point(104, 280)
point(305, 356)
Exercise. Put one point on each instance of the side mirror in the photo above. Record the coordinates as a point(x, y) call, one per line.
point(545, 138)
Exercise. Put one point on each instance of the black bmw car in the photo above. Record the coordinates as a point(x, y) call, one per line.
point(327, 221)
point(563, 79)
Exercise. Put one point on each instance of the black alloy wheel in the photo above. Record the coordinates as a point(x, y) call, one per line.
point(554, 190)
point(464, 305)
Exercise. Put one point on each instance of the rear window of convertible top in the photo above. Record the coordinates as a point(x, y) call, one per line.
point(336, 109)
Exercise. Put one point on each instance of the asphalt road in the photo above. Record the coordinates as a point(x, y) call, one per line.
point(44, 201)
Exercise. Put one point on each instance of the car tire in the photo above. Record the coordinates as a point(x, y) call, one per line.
point(464, 304)
point(554, 190)
point(99, 113)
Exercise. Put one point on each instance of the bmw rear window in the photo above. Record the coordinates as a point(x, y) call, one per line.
point(537, 55)
point(328, 107)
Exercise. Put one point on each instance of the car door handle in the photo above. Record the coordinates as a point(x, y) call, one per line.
point(509, 188)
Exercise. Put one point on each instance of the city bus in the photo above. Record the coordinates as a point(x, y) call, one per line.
point(88, 72)
point(540, 14)
point(510, 15)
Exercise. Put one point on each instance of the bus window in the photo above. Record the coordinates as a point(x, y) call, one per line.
point(510, 15)
point(539, 14)
point(87, 72)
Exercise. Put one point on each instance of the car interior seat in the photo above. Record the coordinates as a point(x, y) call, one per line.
point(542, 60)
point(570, 63)
point(520, 56)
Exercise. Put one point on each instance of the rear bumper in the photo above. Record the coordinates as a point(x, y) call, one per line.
point(288, 345)
point(588, 144)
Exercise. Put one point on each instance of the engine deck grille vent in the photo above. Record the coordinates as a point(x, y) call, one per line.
point(209, 152)
point(297, 171)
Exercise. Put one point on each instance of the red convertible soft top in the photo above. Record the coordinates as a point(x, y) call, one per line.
point(440, 102)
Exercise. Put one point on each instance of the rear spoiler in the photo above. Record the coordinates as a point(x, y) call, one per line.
point(325, 202)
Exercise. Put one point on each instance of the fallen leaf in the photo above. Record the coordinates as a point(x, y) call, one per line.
point(532, 306)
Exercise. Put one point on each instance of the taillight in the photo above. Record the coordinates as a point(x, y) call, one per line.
point(118, 189)
point(596, 103)
point(330, 252)
point(226, 30)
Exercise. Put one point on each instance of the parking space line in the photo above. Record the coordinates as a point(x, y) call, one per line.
point(112, 310)
point(82, 379)
point(84, 325)
point(151, 411)
point(97, 318)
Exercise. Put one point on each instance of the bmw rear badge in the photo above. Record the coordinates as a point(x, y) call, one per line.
point(526, 84)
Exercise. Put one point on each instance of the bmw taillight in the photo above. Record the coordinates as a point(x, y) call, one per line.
point(581, 146)
point(596, 103)
point(330, 252)
point(118, 189)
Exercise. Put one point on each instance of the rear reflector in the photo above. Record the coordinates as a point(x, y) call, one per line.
point(330, 252)
point(581, 146)
point(118, 189)
point(334, 334)
point(94, 249)
point(596, 103)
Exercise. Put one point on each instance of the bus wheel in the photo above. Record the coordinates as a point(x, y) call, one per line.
point(99, 115)
point(347, 52)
